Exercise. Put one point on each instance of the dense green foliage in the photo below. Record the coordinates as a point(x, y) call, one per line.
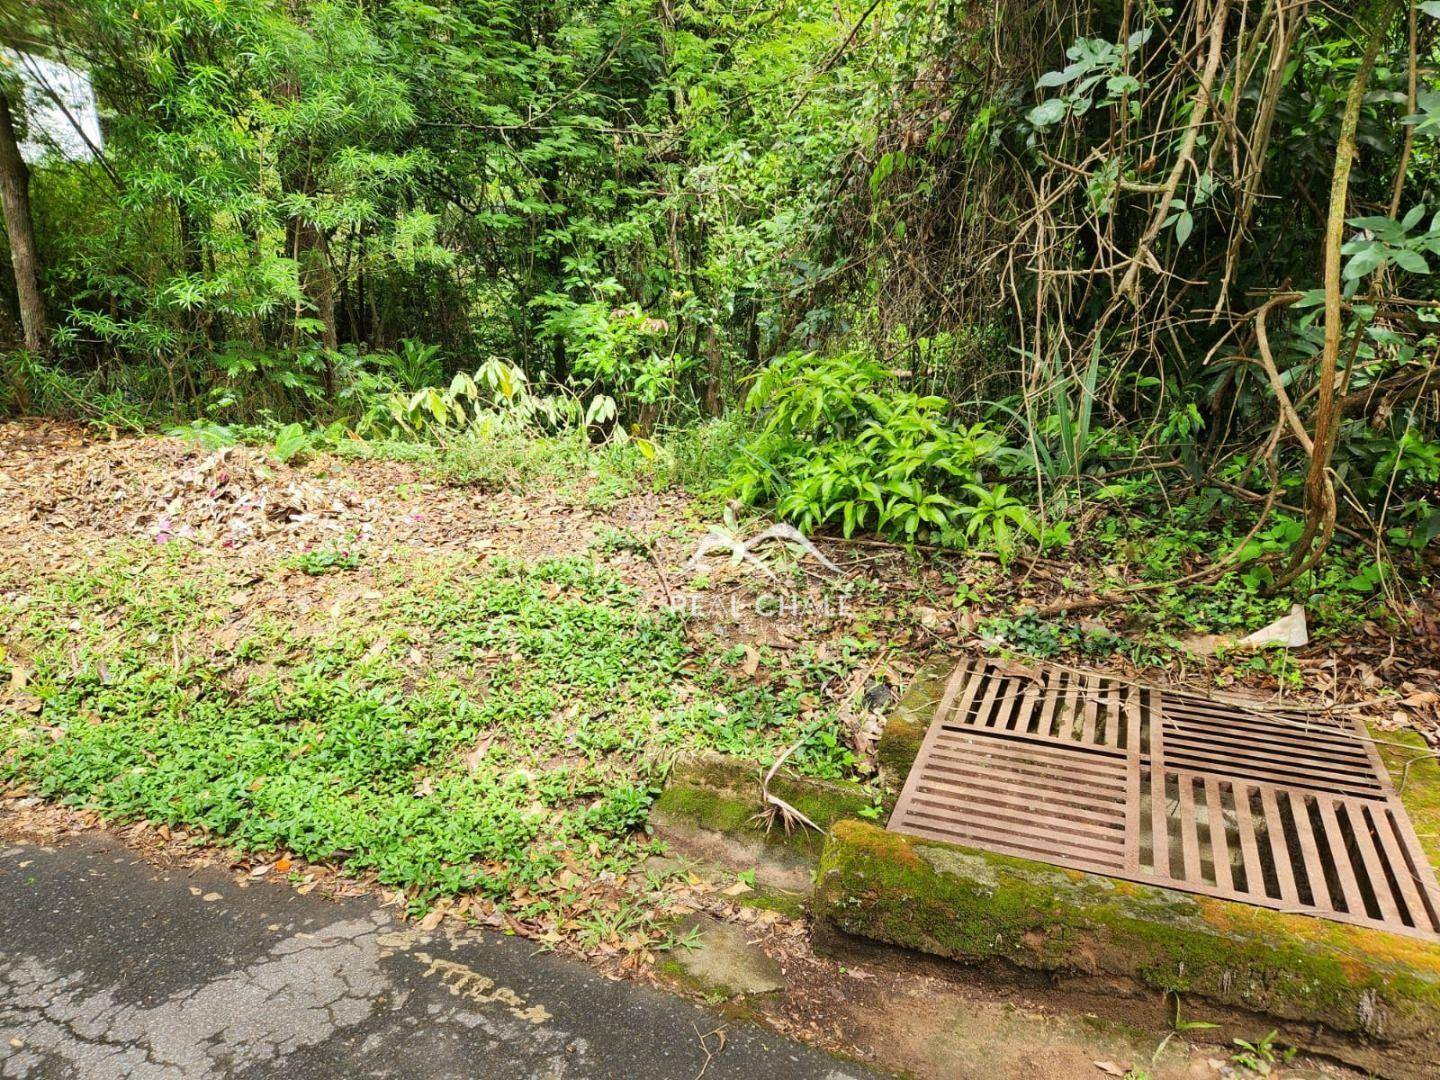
point(955, 265)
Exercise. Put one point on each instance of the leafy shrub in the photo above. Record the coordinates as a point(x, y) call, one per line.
point(416, 365)
point(996, 519)
point(620, 348)
point(842, 444)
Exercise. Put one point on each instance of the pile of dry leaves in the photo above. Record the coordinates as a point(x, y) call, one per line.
point(233, 496)
point(68, 484)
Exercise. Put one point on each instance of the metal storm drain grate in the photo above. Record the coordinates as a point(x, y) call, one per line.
point(1289, 811)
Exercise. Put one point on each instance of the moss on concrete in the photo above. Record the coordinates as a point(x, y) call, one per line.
point(722, 794)
point(976, 906)
point(791, 904)
point(722, 959)
point(1421, 791)
point(673, 973)
point(906, 726)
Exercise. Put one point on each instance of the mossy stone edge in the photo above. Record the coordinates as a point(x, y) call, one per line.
point(1379, 992)
point(722, 794)
point(905, 728)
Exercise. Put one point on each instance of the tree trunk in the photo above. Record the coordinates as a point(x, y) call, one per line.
point(317, 281)
point(15, 193)
point(1320, 503)
point(203, 323)
point(751, 308)
point(714, 405)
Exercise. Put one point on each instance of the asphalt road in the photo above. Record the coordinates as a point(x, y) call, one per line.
point(110, 967)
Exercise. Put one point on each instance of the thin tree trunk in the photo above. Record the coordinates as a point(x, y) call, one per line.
point(317, 281)
point(20, 227)
point(194, 255)
point(752, 332)
point(713, 367)
point(1320, 508)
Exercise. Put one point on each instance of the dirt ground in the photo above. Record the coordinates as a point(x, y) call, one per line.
point(65, 492)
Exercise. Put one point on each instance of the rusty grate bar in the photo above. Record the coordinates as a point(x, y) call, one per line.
point(1288, 811)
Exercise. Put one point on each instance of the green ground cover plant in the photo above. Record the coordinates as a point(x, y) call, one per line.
point(479, 732)
point(1101, 326)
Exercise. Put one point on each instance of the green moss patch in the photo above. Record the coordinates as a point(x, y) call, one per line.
point(976, 906)
point(768, 898)
point(1420, 789)
point(905, 729)
point(720, 794)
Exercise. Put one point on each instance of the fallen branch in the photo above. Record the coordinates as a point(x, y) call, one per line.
point(659, 572)
point(718, 1033)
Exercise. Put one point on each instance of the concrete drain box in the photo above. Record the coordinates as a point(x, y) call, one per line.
point(1289, 811)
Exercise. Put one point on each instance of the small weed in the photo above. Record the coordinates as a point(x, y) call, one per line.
point(690, 940)
point(1033, 636)
point(1262, 1056)
point(292, 441)
point(614, 541)
point(330, 559)
point(1275, 661)
point(1178, 1023)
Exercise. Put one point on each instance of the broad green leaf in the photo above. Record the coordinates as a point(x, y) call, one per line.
point(1048, 112)
point(1411, 262)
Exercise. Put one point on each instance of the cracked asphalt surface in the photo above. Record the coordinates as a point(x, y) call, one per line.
point(110, 967)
